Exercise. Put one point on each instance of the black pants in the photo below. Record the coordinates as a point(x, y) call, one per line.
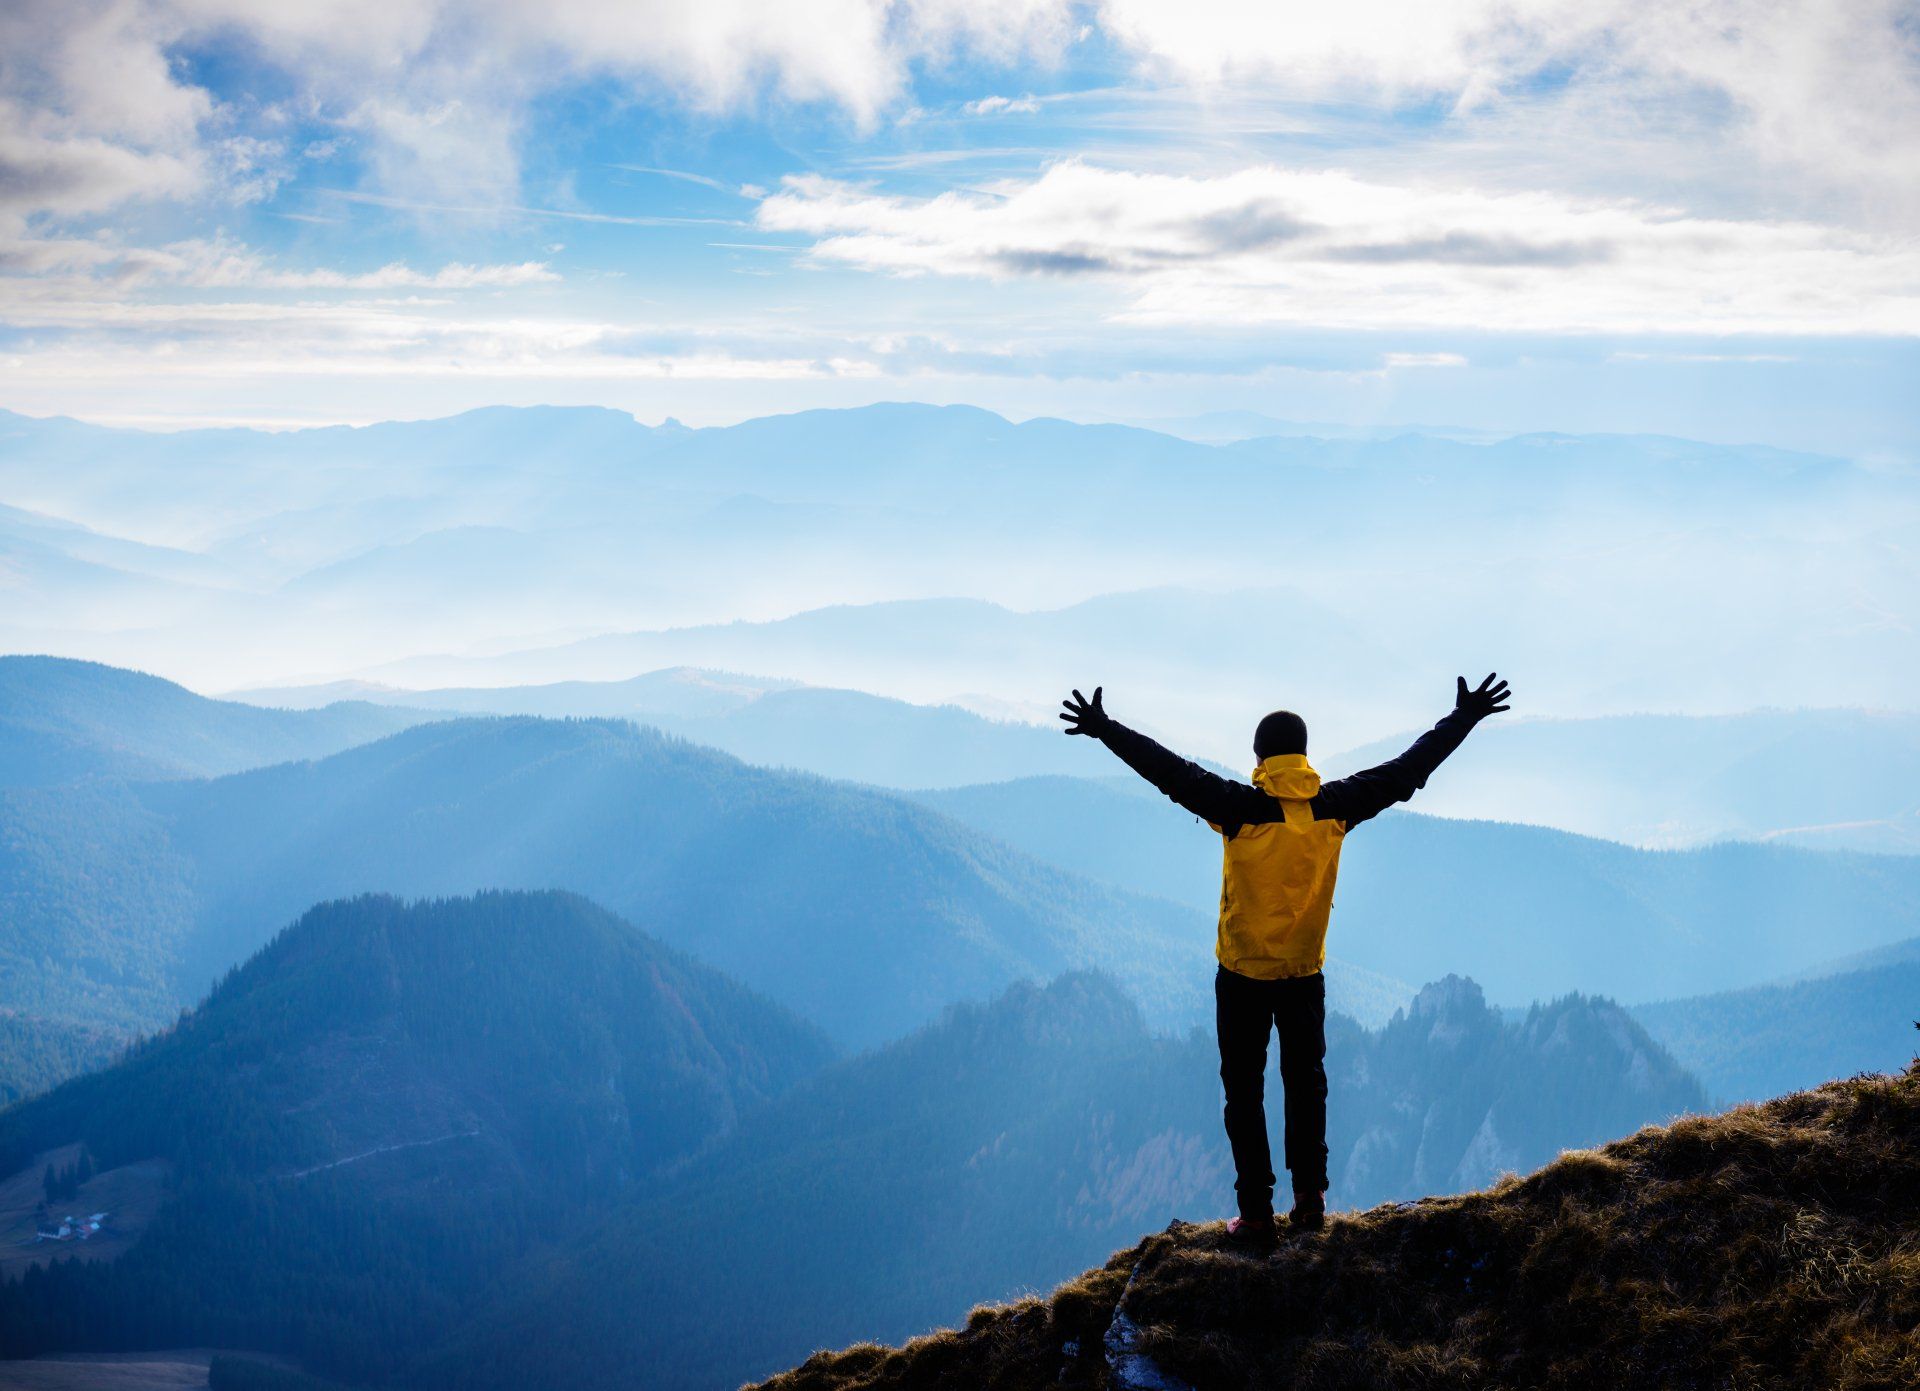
point(1245, 1011)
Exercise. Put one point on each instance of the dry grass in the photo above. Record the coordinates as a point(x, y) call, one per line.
point(1774, 1246)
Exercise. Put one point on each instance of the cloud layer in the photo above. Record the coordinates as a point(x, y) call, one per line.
point(1313, 247)
point(1175, 177)
point(99, 105)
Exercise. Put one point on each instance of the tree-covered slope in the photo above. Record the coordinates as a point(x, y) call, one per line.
point(1010, 1145)
point(866, 913)
point(1770, 1247)
point(37, 1053)
point(1749, 1044)
point(387, 1102)
point(61, 720)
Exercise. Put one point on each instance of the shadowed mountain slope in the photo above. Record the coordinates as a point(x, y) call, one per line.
point(343, 1143)
point(1770, 1247)
point(1011, 1144)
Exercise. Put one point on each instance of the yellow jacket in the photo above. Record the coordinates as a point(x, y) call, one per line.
point(1282, 837)
point(1276, 885)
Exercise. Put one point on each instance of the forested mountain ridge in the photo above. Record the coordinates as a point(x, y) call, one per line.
point(1768, 1247)
point(865, 912)
point(126, 901)
point(1013, 1143)
point(388, 1101)
point(61, 720)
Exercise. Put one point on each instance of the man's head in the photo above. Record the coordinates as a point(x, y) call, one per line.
point(1281, 732)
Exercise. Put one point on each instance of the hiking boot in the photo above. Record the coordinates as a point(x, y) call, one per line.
point(1252, 1233)
point(1309, 1213)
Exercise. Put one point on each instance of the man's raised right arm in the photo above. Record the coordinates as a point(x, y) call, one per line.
point(1220, 801)
point(1365, 795)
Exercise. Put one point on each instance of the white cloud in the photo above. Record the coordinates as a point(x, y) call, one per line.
point(682, 175)
point(1831, 91)
point(1418, 45)
point(80, 175)
point(384, 339)
point(218, 263)
point(246, 272)
point(437, 93)
point(448, 151)
point(1289, 246)
point(90, 112)
point(1422, 360)
point(1002, 106)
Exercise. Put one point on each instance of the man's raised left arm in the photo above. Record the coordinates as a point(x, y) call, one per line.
point(1219, 801)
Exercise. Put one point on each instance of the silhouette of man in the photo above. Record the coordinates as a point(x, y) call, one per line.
point(1282, 836)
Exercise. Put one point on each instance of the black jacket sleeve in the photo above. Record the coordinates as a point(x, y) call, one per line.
point(1365, 795)
point(1226, 804)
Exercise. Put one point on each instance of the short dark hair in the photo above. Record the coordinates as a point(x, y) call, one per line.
point(1281, 732)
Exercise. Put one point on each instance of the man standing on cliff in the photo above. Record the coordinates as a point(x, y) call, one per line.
point(1282, 835)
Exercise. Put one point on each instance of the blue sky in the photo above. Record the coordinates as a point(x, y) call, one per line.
point(1506, 216)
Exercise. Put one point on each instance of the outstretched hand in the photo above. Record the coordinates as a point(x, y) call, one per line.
point(1085, 716)
point(1488, 698)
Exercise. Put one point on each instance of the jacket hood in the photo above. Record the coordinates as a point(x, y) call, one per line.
point(1287, 775)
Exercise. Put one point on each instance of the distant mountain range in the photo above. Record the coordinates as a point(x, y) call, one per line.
point(1229, 427)
point(861, 910)
point(775, 723)
point(63, 720)
point(1747, 1045)
point(1173, 654)
point(1338, 576)
point(1528, 912)
point(1827, 779)
point(677, 692)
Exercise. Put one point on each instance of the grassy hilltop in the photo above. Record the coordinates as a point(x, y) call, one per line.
point(1769, 1246)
